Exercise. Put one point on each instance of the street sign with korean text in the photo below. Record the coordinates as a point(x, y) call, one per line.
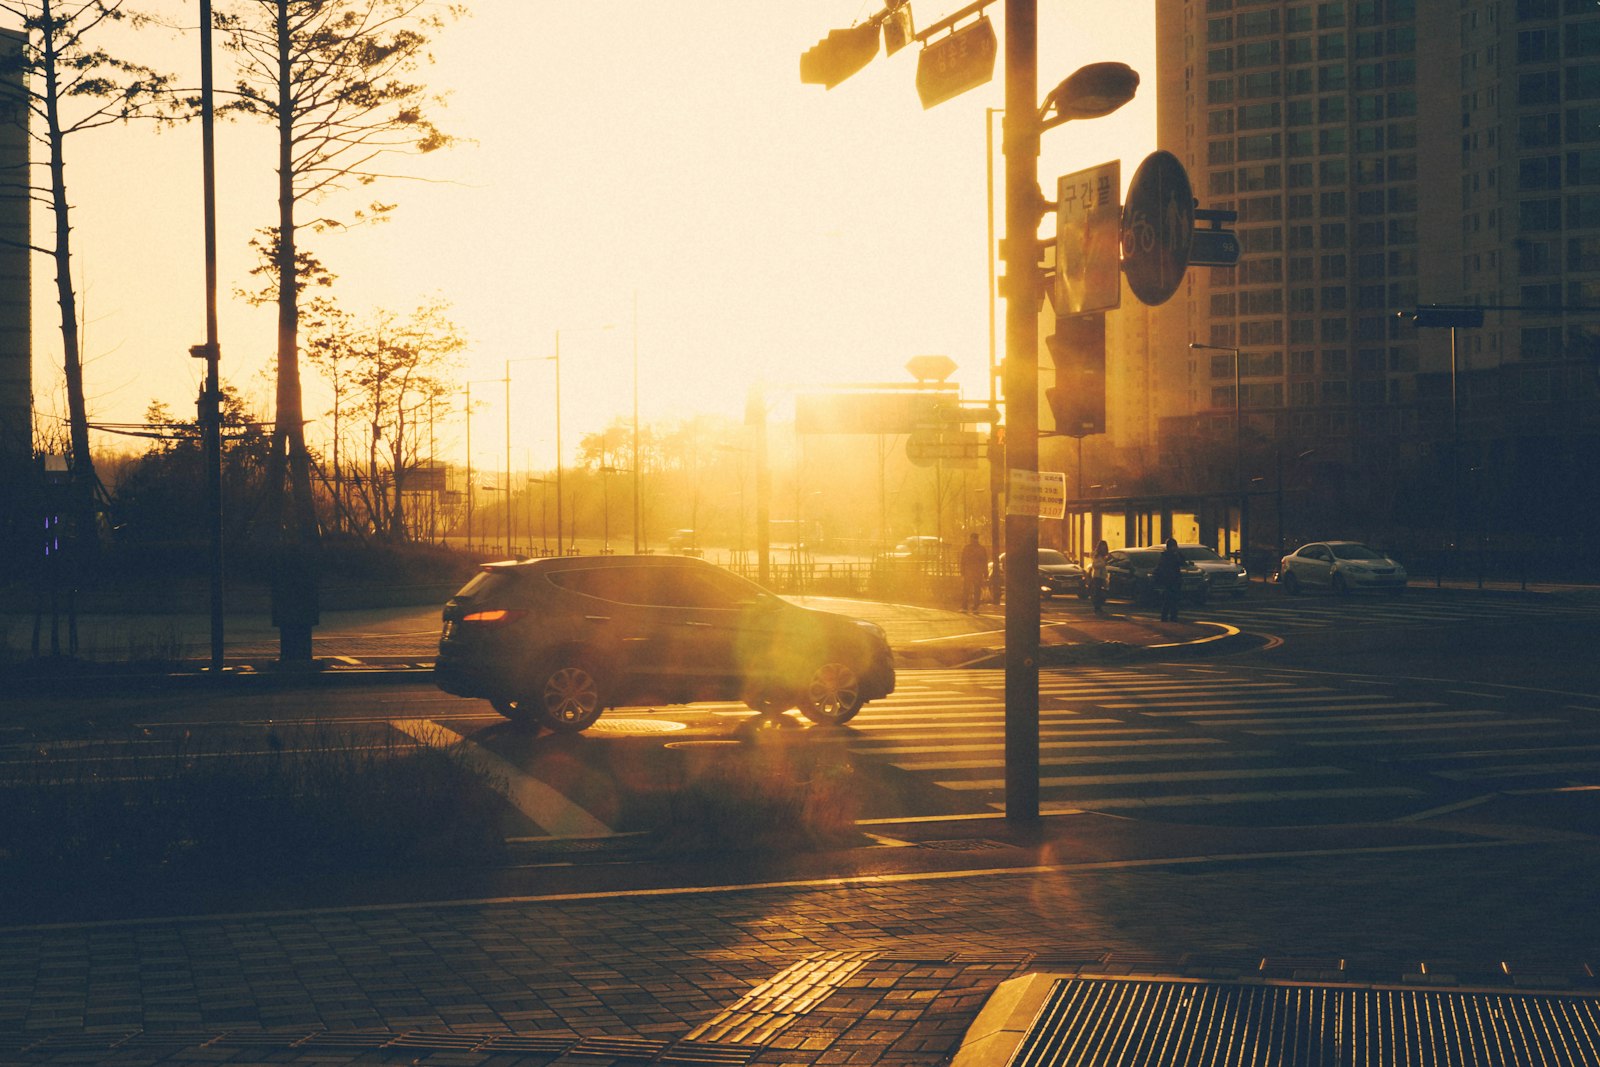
point(1041, 494)
point(1088, 275)
point(951, 65)
point(950, 448)
point(1157, 228)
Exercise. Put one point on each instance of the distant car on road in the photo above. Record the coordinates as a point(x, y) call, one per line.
point(1130, 575)
point(1058, 575)
point(557, 641)
point(1340, 567)
point(1222, 575)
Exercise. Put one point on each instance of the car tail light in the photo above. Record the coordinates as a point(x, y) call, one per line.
point(493, 617)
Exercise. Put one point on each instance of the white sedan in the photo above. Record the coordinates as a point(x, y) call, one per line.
point(1340, 566)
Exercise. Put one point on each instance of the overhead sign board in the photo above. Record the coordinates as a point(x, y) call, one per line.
point(949, 66)
point(870, 413)
point(1041, 494)
point(1088, 274)
point(1157, 228)
point(950, 448)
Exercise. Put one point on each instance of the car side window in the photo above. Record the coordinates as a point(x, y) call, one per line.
point(604, 583)
point(1318, 553)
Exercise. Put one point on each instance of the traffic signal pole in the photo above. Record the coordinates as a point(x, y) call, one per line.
point(1022, 288)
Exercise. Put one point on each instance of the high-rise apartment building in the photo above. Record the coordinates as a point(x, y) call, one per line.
point(1381, 155)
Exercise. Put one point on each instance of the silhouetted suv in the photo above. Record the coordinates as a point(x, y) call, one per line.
point(557, 641)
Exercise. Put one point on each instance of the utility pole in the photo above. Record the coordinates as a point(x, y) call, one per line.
point(1022, 288)
point(211, 395)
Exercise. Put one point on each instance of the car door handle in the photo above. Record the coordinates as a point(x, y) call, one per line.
point(703, 625)
point(597, 618)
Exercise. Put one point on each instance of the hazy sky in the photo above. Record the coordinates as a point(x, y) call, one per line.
point(771, 230)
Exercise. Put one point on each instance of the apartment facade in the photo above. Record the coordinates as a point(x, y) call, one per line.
point(1381, 155)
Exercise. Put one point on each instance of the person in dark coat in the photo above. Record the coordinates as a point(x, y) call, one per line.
point(1168, 578)
point(1097, 577)
point(974, 569)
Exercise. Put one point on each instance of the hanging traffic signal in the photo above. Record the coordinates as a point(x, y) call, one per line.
point(1078, 399)
point(839, 55)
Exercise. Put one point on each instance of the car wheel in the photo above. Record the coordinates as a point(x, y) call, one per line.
point(1291, 584)
point(1339, 586)
point(568, 697)
point(832, 696)
point(515, 710)
point(769, 702)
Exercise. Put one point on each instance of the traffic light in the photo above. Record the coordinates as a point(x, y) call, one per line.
point(839, 55)
point(1078, 399)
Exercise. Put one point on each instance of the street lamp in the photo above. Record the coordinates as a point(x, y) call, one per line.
point(480, 381)
point(1238, 425)
point(1095, 90)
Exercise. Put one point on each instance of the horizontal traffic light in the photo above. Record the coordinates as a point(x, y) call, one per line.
point(839, 55)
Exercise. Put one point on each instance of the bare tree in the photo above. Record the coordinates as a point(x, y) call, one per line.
point(71, 84)
point(390, 367)
point(332, 77)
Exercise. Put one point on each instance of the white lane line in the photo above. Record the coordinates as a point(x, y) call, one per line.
point(1399, 727)
point(1146, 742)
point(550, 810)
point(1172, 776)
point(1079, 761)
point(1199, 800)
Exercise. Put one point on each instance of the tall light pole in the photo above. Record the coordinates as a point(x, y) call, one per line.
point(1091, 92)
point(638, 520)
point(211, 393)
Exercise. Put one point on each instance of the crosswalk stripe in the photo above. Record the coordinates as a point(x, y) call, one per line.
point(1058, 761)
point(1170, 776)
point(1196, 800)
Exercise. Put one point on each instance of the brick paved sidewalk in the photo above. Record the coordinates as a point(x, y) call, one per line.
point(878, 970)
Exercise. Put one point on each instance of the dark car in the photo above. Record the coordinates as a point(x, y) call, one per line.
point(1058, 575)
point(1130, 575)
point(559, 640)
point(1221, 575)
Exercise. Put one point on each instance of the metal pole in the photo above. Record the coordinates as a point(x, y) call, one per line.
point(638, 527)
point(1022, 288)
point(559, 550)
point(211, 406)
point(995, 487)
point(469, 467)
point(1455, 459)
point(511, 523)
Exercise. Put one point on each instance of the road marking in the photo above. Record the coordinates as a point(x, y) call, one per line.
point(548, 809)
point(1171, 776)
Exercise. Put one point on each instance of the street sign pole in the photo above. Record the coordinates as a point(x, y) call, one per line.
point(1022, 289)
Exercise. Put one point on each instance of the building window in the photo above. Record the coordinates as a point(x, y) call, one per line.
point(1330, 15)
point(1583, 168)
point(1259, 85)
point(1264, 271)
point(1260, 116)
point(1583, 210)
point(1539, 172)
point(1219, 91)
point(1333, 297)
point(1302, 331)
point(1535, 131)
point(1297, 50)
point(1333, 203)
point(1330, 46)
point(1258, 23)
point(1219, 31)
point(1258, 54)
point(1332, 172)
point(1299, 81)
point(1335, 330)
point(1333, 266)
point(1535, 215)
point(1335, 393)
point(1583, 124)
point(1219, 61)
point(1331, 78)
point(1261, 302)
point(1220, 183)
point(1543, 87)
point(1334, 235)
point(1402, 199)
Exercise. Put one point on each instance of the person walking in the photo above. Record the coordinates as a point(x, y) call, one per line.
point(1097, 577)
point(1168, 578)
point(974, 569)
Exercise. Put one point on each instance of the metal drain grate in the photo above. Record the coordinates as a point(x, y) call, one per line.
point(1102, 1022)
point(635, 727)
point(964, 844)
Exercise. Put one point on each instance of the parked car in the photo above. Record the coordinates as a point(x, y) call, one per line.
point(1130, 575)
point(1341, 567)
point(1222, 575)
point(1058, 575)
point(557, 641)
point(924, 548)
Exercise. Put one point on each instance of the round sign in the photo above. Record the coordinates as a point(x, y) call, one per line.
point(1157, 227)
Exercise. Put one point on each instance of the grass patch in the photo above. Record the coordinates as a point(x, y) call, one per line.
point(91, 819)
point(770, 794)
